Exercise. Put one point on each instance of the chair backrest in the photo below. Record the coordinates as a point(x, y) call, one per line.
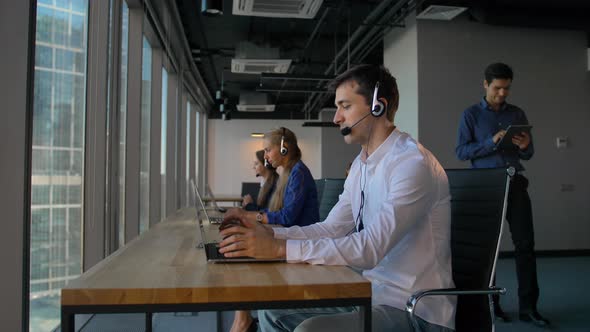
point(478, 208)
point(251, 188)
point(319, 185)
point(332, 188)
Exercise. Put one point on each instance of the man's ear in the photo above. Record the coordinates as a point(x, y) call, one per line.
point(485, 84)
point(384, 101)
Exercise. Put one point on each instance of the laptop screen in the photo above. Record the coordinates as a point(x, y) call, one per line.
point(202, 215)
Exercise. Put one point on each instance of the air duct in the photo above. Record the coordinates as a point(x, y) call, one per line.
point(253, 59)
point(255, 102)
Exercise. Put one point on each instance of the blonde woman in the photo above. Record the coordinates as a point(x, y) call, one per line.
point(293, 202)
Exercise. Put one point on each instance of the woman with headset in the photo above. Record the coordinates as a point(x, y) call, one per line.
point(295, 200)
point(269, 175)
point(293, 203)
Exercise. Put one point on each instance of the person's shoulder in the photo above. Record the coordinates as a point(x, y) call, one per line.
point(514, 108)
point(300, 168)
point(472, 109)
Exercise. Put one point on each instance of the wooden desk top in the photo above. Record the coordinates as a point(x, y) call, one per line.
point(163, 266)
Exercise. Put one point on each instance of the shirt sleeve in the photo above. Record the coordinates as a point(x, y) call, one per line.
point(468, 147)
point(408, 202)
point(293, 201)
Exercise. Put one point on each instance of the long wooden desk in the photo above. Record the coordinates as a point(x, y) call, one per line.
point(163, 271)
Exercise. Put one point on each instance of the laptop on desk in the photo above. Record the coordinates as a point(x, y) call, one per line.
point(212, 247)
point(214, 202)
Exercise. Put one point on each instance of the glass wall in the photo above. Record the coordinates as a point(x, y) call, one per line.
point(188, 151)
point(62, 130)
point(163, 149)
point(146, 107)
point(197, 147)
point(57, 156)
point(123, 119)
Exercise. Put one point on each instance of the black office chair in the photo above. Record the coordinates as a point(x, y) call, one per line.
point(478, 209)
point(251, 188)
point(331, 190)
point(319, 185)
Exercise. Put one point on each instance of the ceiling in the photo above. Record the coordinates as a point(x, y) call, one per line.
point(312, 45)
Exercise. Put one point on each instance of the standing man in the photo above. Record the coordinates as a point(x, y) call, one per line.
point(482, 126)
point(392, 221)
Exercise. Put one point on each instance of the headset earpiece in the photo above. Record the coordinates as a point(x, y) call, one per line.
point(283, 149)
point(267, 164)
point(377, 107)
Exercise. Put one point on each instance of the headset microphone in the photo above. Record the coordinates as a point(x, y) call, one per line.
point(347, 130)
point(377, 109)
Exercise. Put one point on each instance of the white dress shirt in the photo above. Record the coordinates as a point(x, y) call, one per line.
point(405, 244)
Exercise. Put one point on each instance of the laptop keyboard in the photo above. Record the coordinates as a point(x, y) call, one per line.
point(213, 253)
point(216, 220)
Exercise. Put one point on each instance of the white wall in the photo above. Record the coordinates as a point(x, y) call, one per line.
point(400, 56)
point(552, 85)
point(231, 150)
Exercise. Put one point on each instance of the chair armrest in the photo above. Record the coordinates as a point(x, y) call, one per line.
point(414, 298)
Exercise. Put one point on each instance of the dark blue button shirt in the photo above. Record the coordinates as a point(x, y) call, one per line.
point(300, 202)
point(479, 124)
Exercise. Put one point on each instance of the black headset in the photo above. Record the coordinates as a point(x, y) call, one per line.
point(284, 149)
point(377, 107)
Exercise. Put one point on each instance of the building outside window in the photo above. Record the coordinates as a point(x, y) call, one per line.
point(146, 109)
point(57, 156)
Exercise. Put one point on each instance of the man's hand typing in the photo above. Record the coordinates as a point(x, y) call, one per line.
point(251, 239)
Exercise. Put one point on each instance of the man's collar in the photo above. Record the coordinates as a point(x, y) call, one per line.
point(486, 106)
point(382, 149)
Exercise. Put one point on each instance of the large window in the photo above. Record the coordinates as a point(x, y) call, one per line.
point(57, 156)
point(146, 106)
point(163, 143)
point(123, 119)
point(188, 150)
point(197, 148)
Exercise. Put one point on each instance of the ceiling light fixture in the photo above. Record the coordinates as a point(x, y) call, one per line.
point(212, 7)
point(257, 135)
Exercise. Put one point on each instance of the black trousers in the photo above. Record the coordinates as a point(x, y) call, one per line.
point(519, 215)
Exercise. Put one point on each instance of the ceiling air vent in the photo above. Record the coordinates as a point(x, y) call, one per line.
point(257, 66)
point(255, 108)
point(277, 8)
point(445, 13)
point(255, 102)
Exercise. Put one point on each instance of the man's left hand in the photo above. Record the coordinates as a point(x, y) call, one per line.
point(522, 141)
point(251, 239)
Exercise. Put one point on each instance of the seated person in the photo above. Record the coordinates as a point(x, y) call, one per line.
point(392, 221)
point(264, 169)
point(293, 202)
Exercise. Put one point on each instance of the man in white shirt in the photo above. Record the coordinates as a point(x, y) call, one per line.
point(392, 221)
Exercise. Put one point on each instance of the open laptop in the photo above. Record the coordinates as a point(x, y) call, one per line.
point(214, 201)
point(211, 247)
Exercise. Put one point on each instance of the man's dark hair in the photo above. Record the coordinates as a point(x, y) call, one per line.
point(498, 71)
point(366, 76)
